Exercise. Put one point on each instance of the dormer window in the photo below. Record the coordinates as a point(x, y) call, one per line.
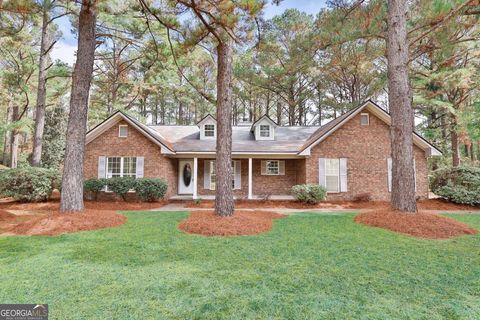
point(122, 131)
point(265, 130)
point(209, 130)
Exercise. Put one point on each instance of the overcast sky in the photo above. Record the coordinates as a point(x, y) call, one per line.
point(65, 48)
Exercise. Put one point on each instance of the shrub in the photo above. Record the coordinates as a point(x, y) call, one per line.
point(150, 189)
point(309, 193)
point(457, 184)
point(363, 197)
point(121, 185)
point(94, 186)
point(29, 184)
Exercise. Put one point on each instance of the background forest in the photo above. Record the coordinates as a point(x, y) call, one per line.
point(300, 69)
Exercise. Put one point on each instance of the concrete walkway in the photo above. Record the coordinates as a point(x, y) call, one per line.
point(181, 207)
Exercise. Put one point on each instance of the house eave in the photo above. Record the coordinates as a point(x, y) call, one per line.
point(239, 154)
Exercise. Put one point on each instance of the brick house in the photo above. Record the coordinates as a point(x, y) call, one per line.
point(349, 155)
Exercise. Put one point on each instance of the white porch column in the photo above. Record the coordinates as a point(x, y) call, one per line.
point(195, 174)
point(250, 180)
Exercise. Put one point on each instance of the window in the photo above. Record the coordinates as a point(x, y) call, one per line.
point(213, 175)
point(332, 174)
point(121, 167)
point(273, 167)
point(209, 130)
point(114, 167)
point(123, 131)
point(364, 119)
point(130, 167)
point(264, 130)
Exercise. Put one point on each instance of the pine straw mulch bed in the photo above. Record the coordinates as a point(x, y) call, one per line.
point(44, 218)
point(52, 222)
point(242, 223)
point(420, 225)
point(94, 205)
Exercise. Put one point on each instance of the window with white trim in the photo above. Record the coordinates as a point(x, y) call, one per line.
point(209, 130)
point(364, 119)
point(121, 167)
point(122, 131)
point(332, 175)
point(272, 167)
point(264, 130)
point(213, 175)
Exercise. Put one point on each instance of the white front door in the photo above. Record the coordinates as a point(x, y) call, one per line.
point(185, 177)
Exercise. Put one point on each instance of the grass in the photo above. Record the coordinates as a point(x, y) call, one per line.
point(308, 266)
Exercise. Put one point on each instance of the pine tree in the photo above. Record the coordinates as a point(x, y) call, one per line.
point(72, 180)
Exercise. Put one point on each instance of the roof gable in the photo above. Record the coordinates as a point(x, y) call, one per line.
point(116, 117)
point(324, 131)
point(207, 118)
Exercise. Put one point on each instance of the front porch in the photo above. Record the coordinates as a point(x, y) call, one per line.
point(253, 178)
point(212, 197)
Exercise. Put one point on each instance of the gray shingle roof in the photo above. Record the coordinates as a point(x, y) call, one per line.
point(287, 139)
point(187, 139)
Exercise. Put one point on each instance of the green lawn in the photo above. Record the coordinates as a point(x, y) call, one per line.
point(309, 266)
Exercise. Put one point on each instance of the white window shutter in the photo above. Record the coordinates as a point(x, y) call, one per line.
point(343, 175)
point(206, 175)
point(264, 167)
point(238, 174)
point(281, 167)
point(101, 167)
point(389, 174)
point(139, 167)
point(322, 180)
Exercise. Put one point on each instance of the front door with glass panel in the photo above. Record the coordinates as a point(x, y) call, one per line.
point(185, 177)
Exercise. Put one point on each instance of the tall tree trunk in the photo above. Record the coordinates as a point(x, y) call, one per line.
point(8, 136)
point(472, 152)
point(399, 99)
point(41, 89)
point(455, 148)
point(224, 204)
point(267, 104)
point(455, 143)
point(72, 183)
point(279, 113)
point(14, 139)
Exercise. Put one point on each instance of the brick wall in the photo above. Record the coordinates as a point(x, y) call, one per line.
point(274, 185)
point(367, 149)
point(135, 145)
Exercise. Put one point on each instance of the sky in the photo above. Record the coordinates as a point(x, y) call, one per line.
point(65, 47)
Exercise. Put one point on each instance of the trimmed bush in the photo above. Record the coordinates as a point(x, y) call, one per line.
point(29, 184)
point(94, 186)
point(457, 184)
point(150, 189)
point(309, 193)
point(121, 185)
